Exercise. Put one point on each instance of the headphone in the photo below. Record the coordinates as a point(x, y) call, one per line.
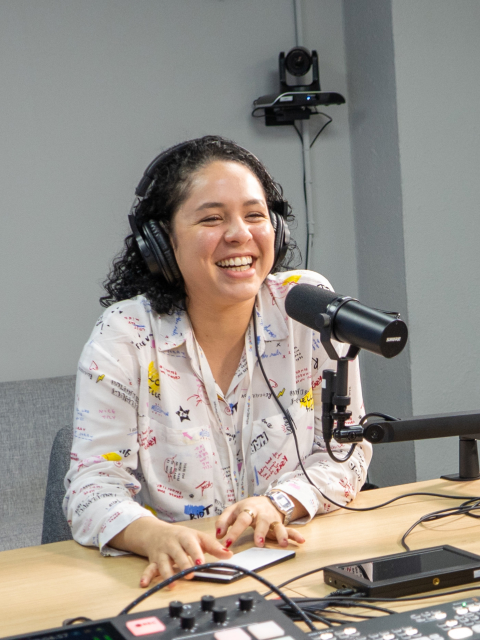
point(154, 243)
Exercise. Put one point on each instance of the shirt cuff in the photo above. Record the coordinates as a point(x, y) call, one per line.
point(123, 515)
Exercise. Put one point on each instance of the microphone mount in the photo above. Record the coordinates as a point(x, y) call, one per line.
point(335, 402)
point(335, 398)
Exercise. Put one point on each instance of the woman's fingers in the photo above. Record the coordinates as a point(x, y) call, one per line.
point(295, 535)
point(242, 521)
point(277, 531)
point(149, 574)
point(165, 568)
point(184, 549)
point(215, 548)
point(261, 532)
point(227, 518)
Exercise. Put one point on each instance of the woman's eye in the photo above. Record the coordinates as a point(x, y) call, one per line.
point(257, 214)
point(211, 219)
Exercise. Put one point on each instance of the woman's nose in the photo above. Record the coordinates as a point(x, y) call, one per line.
point(238, 231)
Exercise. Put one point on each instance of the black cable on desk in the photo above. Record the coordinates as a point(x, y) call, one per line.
point(464, 509)
point(321, 609)
point(301, 575)
point(404, 495)
point(213, 565)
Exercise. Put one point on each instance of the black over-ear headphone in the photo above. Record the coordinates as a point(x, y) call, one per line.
point(153, 241)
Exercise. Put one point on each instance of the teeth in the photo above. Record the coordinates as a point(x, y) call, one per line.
point(236, 262)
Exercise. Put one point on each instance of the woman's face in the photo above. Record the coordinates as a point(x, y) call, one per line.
point(222, 235)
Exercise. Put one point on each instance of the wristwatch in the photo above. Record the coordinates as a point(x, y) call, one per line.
point(282, 503)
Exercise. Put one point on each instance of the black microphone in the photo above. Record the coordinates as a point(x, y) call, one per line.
point(350, 321)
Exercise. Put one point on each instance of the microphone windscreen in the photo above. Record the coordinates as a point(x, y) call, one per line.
point(304, 302)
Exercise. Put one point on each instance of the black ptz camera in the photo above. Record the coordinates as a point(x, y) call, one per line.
point(297, 101)
point(298, 61)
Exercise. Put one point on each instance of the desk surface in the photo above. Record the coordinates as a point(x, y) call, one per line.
point(42, 586)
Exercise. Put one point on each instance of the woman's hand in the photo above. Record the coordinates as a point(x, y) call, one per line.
point(261, 514)
point(167, 545)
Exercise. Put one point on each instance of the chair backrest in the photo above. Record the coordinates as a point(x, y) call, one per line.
point(55, 527)
point(31, 413)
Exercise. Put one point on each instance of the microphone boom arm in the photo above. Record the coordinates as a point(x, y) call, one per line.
point(443, 425)
point(335, 400)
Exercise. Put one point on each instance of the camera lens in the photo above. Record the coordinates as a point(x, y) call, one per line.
point(298, 61)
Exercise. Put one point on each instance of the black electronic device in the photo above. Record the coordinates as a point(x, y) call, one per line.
point(458, 620)
point(254, 559)
point(245, 616)
point(295, 101)
point(407, 573)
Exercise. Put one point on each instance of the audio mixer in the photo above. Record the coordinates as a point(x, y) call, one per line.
point(246, 616)
point(459, 620)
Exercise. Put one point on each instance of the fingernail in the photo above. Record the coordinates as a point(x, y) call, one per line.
point(261, 540)
point(198, 561)
point(219, 531)
point(225, 549)
point(228, 543)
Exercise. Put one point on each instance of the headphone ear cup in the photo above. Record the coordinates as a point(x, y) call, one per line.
point(158, 242)
point(282, 239)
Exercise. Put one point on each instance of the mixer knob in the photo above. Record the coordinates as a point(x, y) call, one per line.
point(187, 620)
point(207, 603)
point(175, 608)
point(219, 615)
point(245, 603)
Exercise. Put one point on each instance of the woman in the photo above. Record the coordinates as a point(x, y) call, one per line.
point(174, 417)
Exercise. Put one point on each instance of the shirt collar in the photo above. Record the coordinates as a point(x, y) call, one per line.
point(174, 330)
point(271, 323)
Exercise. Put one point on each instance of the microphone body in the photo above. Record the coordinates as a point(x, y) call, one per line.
point(350, 321)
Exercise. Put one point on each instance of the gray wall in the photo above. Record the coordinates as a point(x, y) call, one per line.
point(91, 92)
point(413, 95)
point(377, 190)
point(437, 49)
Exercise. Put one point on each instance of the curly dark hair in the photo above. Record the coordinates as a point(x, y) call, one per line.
point(129, 275)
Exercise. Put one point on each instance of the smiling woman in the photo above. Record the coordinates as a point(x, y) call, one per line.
point(195, 430)
point(209, 234)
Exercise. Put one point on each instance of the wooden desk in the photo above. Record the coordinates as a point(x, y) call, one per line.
point(42, 586)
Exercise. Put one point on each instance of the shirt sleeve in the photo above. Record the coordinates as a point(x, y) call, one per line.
point(103, 478)
point(338, 481)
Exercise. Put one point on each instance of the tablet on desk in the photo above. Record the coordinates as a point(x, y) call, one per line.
point(254, 559)
point(406, 573)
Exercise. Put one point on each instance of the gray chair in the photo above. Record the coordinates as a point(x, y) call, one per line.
point(31, 413)
point(55, 527)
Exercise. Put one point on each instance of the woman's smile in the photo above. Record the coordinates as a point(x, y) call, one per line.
point(222, 235)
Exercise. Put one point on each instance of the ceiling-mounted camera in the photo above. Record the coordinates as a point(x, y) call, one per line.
point(295, 101)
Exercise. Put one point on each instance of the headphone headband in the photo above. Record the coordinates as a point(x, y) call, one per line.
point(153, 241)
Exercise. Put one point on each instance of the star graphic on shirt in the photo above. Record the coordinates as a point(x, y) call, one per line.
point(183, 414)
